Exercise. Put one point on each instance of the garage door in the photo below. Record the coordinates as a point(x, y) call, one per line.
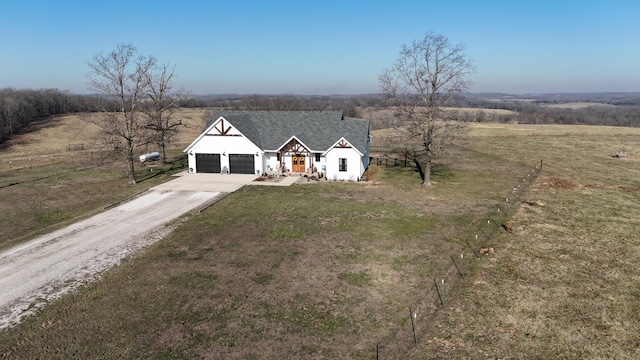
point(241, 164)
point(208, 163)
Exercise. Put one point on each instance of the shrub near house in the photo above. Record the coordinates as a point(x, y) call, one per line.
point(257, 142)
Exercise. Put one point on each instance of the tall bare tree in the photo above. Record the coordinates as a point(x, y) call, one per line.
point(421, 82)
point(161, 108)
point(122, 75)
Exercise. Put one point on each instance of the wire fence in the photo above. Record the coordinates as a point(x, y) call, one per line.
point(78, 158)
point(391, 161)
point(78, 154)
point(408, 335)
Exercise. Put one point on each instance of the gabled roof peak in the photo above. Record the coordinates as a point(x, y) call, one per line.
point(318, 130)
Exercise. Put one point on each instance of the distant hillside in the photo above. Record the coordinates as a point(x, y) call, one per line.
point(613, 109)
point(19, 108)
point(577, 105)
point(612, 98)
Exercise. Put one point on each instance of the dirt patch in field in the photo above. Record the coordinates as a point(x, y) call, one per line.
point(551, 182)
point(629, 188)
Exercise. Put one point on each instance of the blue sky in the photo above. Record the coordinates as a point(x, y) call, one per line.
point(327, 46)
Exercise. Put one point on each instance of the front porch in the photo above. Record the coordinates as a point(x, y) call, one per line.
point(308, 173)
point(293, 159)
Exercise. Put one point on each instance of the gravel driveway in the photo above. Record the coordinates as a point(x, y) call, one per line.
point(47, 267)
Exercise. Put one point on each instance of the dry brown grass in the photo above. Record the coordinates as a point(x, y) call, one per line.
point(48, 141)
point(382, 118)
point(564, 284)
point(578, 105)
point(375, 113)
point(330, 271)
point(43, 185)
point(478, 110)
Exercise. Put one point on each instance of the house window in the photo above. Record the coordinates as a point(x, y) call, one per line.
point(318, 157)
point(278, 156)
point(342, 164)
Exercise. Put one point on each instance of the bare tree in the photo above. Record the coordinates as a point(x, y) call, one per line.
point(162, 121)
point(122, 74)
point(421, 82)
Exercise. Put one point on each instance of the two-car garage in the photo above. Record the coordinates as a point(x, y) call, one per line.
point(238, 163)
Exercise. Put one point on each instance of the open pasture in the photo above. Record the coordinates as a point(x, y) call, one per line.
point(578, 105)
point(72, 139)
point(58, 171)
point(331, 270)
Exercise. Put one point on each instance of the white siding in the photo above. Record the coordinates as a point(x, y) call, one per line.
point(222, 138)
point(271, 161)
point(211, 141)
point(318, 164)
point(224, 145)
point(354, 164)
point(287, 162)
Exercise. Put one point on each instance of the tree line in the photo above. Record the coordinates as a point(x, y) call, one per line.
point(136, 104)
point(19, 108)
point(540, 113)
point(625, 112)
point(348, 104)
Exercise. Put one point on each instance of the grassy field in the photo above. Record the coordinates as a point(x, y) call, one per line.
point(44, 185)
point(578, 105)
point(565, 283)
point(331, 270)
point(380, 117)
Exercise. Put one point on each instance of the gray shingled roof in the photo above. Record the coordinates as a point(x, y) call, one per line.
point(318, 130)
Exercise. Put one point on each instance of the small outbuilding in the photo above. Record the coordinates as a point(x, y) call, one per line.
point(259, 142)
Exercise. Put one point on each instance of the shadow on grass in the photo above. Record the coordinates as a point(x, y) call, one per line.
point(45, 177)
point(33, 126)
point(441, 172)
point(171, 167)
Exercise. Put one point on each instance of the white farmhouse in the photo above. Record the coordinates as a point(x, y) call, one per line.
point(258, 142)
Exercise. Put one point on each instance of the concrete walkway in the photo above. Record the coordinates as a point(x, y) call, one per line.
point(286, 181)
point(220, 183)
